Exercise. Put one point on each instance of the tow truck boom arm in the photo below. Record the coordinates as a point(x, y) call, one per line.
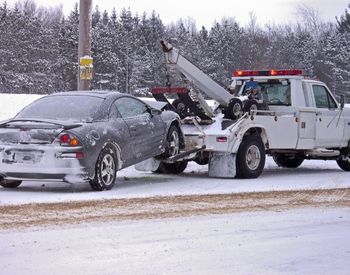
point(194, 74)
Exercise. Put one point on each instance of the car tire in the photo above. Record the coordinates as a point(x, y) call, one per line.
point(344, 164)
point(10, 183)
point(173, 141)
point(180, 107)
point(250, 160)
point(173, 148)
point(171, 168)
point(286, 161)
point(234, 109)
point(105, 170)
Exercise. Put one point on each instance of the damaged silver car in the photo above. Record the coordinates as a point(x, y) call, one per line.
point(84, 136)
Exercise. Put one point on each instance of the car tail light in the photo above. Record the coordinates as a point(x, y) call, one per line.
point(79, 155)
point(221, 139)
point(68, 140)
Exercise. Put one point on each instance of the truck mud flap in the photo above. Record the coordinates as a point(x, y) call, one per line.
point(222, 165)
point(147, 165)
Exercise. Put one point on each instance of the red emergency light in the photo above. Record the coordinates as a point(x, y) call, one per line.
point(170, 90)
point(241, 73)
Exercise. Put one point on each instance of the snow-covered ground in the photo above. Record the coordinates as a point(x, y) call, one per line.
point(133, 184)
point(309, 241)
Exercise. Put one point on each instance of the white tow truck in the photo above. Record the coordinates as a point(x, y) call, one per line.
point(274, 112)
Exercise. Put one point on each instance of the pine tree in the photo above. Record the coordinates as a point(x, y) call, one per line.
point(68, 51)
point(344, 22)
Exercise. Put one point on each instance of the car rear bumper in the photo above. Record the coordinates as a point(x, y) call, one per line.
point(41, 163)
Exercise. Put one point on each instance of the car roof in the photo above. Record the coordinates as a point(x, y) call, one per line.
point(100, 94)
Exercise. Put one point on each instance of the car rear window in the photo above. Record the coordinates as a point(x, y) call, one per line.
point(69, 107)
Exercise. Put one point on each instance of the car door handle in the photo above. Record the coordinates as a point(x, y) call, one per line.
point(133, 128)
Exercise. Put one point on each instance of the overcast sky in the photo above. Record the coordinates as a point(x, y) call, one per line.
point(205, 12)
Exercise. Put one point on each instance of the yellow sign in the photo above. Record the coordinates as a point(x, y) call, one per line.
point(86, 67)
point(86, 60)
point(85, 73)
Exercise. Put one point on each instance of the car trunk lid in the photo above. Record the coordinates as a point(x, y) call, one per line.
point(32, 131)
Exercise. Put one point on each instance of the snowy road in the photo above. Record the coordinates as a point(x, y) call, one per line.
point(75, 212)
point(312, 175)
point(302, 241)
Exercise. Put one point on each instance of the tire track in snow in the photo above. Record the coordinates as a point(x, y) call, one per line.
point(109, 210)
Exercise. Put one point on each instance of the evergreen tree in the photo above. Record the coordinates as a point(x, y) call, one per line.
point(344, 22)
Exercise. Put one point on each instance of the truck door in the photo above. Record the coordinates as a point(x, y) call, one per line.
point(329, 123)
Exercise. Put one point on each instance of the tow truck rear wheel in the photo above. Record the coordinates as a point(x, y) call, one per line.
point(344, 164)
point(287, 161)
point(10, 183)
point(172, 168)
point(250, 160)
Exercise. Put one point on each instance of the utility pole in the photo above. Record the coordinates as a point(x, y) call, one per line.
point(84, 48)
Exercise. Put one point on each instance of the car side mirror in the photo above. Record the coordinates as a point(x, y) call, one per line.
point(155, 112)
point(342, 101)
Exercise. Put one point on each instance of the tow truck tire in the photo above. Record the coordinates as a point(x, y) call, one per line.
point(344, 164)
point(250, 160)
point(250, 105)
point(10, 183)
point(234, 109)
point(171, 168)
point(286, 161)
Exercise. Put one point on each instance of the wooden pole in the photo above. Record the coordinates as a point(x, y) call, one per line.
point(84, 48)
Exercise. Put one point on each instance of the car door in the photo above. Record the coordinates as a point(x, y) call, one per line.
point(329, 122)
point(121, 135)
point(136, 115)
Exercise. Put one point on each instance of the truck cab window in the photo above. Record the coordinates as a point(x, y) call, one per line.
point(322, 98)
point(273, 92)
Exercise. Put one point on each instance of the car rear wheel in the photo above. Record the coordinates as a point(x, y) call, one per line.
point(105, 170)
point(250, 160)
point(10, 183)
point(288, 161)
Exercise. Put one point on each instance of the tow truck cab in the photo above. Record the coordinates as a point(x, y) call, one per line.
point(306, 115)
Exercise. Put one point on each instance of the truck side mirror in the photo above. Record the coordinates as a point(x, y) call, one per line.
point(342, 101)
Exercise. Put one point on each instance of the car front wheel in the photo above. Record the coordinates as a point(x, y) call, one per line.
point(105, 170)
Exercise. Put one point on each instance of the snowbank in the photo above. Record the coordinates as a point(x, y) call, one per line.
point(11, 104)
